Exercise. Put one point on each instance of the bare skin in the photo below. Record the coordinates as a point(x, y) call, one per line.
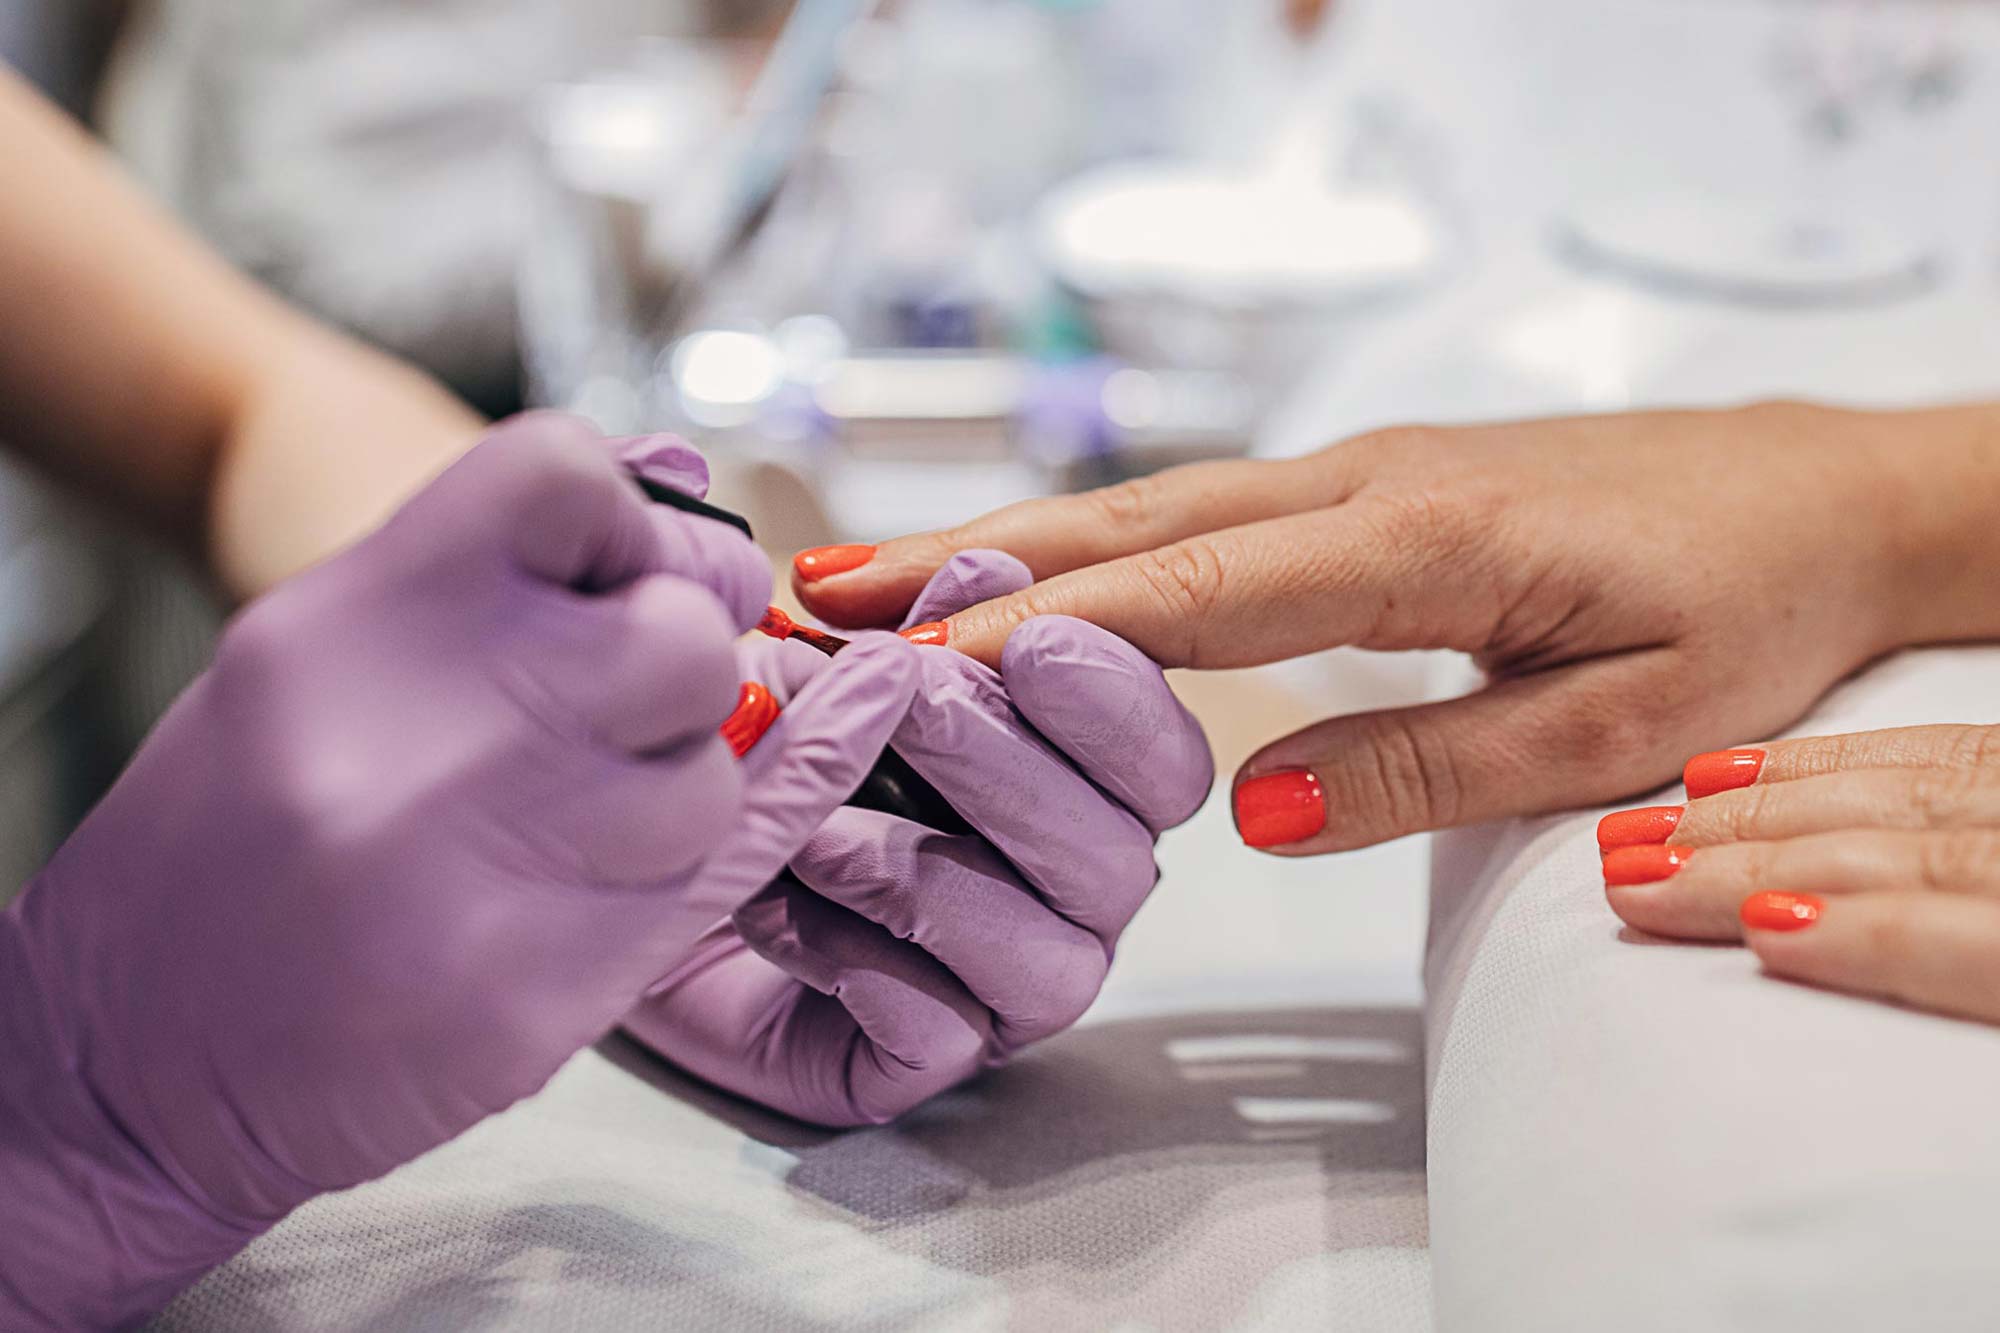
point(1893, 839)
point(1638, 588)
point(139, 367)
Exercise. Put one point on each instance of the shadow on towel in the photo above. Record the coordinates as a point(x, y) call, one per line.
point(1175, 1172)
point(1100, 1146)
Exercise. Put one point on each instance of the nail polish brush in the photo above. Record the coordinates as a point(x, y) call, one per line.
point(781, 626)
point(892, 786)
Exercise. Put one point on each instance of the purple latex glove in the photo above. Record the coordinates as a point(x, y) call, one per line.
point(425, 828)
point(894, 961)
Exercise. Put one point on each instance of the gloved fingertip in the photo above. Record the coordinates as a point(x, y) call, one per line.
point(746, 588)
point(665, 459)
point(889, 657)
point(1109, 707)
point(1054, 639)
point(966, 580)
point(985, 565)
point(716, 556)
point(783, 666)
point(875, 678)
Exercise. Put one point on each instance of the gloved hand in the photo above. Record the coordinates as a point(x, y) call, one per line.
point(893, 961)
point(426, 827)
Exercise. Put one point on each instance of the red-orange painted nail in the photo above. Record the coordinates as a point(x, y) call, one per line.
point(1638, 828)
point(1644, 865)
point(755, 711)
point(823, 562)
point(932, 635)
point(1279, 809)
point(1781, 911)
point(1721, 770)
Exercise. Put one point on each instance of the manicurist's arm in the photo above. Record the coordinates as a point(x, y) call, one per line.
point(138, 366)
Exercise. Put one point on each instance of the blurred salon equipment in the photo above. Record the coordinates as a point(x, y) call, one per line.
point(998, 247)
point(370, 158)
point(1766, 198)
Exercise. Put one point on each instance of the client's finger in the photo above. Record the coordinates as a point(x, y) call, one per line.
point(1520, 746)
point(1688, 894)
point(1374, 572)
point(1955, 747)
point(874, 585)
point(1933, 951)
point(1882, 798)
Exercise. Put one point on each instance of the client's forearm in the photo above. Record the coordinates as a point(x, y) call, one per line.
point(1938, 511)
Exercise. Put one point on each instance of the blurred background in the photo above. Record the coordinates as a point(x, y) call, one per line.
point(894, 264)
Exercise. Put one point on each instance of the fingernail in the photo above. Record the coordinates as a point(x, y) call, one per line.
point(1781, 911)
point(1721, 770)
point(932, 635)
point(1280, 808)
point(1638, 828)
point(755, 711)
point(1644, 865)
point(823, 562)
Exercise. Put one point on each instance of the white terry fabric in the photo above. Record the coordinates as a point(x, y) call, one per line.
point(1233, 1140)
point(1631, 1134)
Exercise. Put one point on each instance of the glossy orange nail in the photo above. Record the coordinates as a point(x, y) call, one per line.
point(1781, 911)
point(932, 635)
point(755, 711)
point(823, 562)
point(1721, 770)
point(1280, 808)
point(1638, 828)
point(1644, 865)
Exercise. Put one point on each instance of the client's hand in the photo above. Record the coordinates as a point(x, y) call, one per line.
point(1868, 863)
point(895, 961)
point(1637, 587)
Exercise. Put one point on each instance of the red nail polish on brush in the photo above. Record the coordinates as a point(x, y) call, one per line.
point(1721, 770)
point(1638, 828)
point(1781, 911)
point(781, 626)
point(823, 562)
point(1279, 809)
